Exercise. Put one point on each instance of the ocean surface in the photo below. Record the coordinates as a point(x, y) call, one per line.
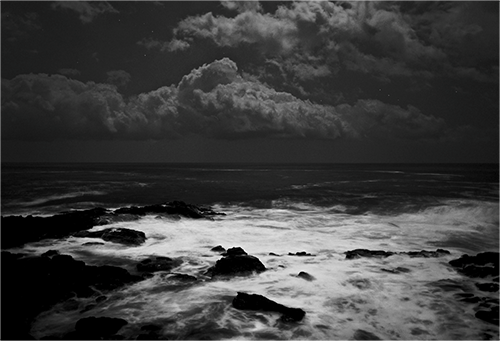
point(323, 209)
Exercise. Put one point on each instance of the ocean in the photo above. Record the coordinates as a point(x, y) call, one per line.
point(273, 210)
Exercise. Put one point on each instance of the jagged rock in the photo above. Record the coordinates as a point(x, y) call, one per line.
point(244, 301)
point(236, 262)
point(116, 235)
point(218, 248)
point(482, 265)
point(306, 276)
point(183, 278)
point(153, 264)
point(427, 254)
point(490, 287)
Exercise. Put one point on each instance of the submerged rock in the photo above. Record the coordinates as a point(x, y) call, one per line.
point(154, 264)
point(358, 253)
point(236, 262)
point(116, 235)
point(397, 270)
point(306, 276)
point(218, 248)
point(244, 301)
point(96, 328)
point(361, 334)
point(300, 254)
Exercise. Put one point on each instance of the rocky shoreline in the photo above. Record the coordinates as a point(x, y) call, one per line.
point(61, 279)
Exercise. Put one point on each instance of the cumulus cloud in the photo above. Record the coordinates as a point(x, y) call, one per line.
point(87, 11)
point(384, 39)
point(16, 27)
point(212, 101)
point(69, 72)
point(242, 6)
point(119, 78)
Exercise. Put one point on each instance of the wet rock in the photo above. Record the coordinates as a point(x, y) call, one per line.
point(364, 335)
point(490, 316)
point(398, 270)
point(99, 327)
point(236, 262)
point(38, 283)
point(300, 254)
point(50, 253)
point(235, 251)
point(92, 244)
point(170, 208)
point(183, 278)
point(358, 253)
point(218, 248)
point(306, 276)
point(116, 235)
point(490, 287)
point(482, 265)
point(154, 264)
point(244, 301)
point(273, 254)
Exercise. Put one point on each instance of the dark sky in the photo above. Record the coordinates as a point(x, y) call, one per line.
point(250, 82)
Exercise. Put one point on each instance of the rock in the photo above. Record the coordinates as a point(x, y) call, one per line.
point(490, 287)
point(273, 254)
point(235, 251)
point(490, 316)
point(236, 262)
point(183, 278)
point(301, 254)
point(482, 265)
point(50, 253)
point(154, 264)
point(306, 276)
point(92, 244)
point(99, 327)
point(116, 235)
point(364, 335)
point(218, 248)
point(38, 283)
point(358, 253)
point(169, 208)
point(244, 301)
point(397, 270)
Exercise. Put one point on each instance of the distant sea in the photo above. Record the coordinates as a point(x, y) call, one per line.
point(323, 209)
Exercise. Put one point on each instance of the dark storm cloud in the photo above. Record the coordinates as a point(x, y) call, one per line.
point(19, 26)
point(380, 38)
point(119, 78)
point(87, 11)
point(212, 101)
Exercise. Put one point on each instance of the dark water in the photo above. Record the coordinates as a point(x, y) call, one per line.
point(378, 188)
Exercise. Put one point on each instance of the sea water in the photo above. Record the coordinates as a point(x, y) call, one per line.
point(272, 210)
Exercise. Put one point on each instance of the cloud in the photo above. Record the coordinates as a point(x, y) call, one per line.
point(16, 27)
point(242, 6)
point(384, 39)
point(119, 78)
point(69, 72)
point(212, 101)
point(87, 11)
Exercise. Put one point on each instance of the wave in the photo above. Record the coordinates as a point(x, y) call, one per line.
point(56, 197)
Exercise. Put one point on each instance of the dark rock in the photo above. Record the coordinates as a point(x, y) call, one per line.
point(154, 264)
point(169, 208)
point(301, 254)
point(306, 276)
point(490, 287)
point(490, 316)
point(38, 283)
point(353, 254)
point(358, 253)
point(99, 327)
point(116, 235)
point(397, 270)
point(235, 251)
point(364, 335)
point(236, 262)
point(273, 254)
point(245, 301)
point(92, 244)
point(50, 253)
point(100, 299)
point(183, 278)
point(482, 265)
point(218, 248)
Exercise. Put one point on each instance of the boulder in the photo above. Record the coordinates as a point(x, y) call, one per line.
point(306, 276)
point(482, 265)
point(236, 262)
point(361, 334)
point(116, 235)
point(358, 253)
point(244, 301)
point(300, 254)
point(218, 248)
point(153, 264)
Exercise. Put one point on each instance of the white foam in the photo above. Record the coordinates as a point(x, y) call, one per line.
point(346, 295)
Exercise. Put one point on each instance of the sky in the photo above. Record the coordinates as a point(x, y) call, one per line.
point(249, 81)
